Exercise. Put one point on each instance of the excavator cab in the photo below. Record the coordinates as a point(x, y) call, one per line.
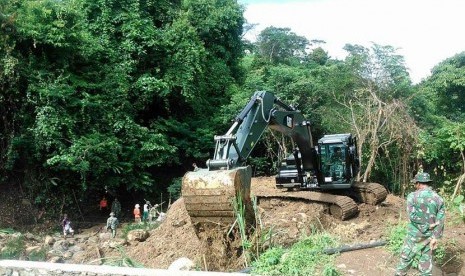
point(338, 162)
point(333, 163)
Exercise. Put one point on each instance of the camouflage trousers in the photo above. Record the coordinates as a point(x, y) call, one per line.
point(418, 250)
point(113, 232)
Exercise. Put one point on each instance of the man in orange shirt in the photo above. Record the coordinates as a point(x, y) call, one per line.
point(137, 213)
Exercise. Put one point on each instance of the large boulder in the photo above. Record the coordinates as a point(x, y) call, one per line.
point(115, 243)
point(104, 236)
point(32, 249)
point(138, 235)
point(61, 245)
point(49, 240)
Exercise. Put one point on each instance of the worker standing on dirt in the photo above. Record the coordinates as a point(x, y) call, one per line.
point(103, 203)
point(116, 207)
point(145, 214)
point(112, 223)
point(136, 213)
point(66, 224)
point(426, 225)
point(153, 212)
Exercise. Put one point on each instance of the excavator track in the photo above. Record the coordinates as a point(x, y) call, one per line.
point(209, 195)
point(340, 207)
point(369, 193)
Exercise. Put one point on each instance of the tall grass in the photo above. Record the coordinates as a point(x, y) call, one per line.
point(239, 211)
point(305, 257)
point(13, 249)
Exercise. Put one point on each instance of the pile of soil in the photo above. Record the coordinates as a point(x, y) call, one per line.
point(218, 248)
point(287, 221)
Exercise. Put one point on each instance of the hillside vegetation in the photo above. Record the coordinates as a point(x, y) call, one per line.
point(121, 97)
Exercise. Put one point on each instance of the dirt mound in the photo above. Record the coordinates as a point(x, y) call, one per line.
point(217, 247)
point(173, 239)
point(177, 237)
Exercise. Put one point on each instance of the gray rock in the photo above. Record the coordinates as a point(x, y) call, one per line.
point(61, 245)
point(31, 249)
point(115, 243)
point(56, 259)
point(68, 255)
point(104, 236)
point(75, 248)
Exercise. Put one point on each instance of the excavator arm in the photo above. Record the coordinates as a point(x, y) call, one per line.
point(209, 194)
point(263, 111)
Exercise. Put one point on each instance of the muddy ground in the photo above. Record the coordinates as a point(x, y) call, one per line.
point(288, 221)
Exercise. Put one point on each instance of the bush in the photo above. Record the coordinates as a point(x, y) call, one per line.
point(175, 188)
point(396, 237)
point(305, 257)
point(13, 249)
point(38, 255)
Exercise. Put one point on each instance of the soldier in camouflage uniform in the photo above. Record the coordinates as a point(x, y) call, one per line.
point(116, 207)
point(426, 224)
point(112, 223)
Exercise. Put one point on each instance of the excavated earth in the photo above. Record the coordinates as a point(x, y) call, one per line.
point(287, 221)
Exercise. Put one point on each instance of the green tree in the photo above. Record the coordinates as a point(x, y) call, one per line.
point(101, 94)
point(440, 109)
point(280, 45)
point(448, 83)
point(366, 94)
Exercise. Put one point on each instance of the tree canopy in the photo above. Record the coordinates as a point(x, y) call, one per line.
point(125, 95)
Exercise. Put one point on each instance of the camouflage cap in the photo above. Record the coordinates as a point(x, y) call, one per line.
point(112, 214)
point(422, 178)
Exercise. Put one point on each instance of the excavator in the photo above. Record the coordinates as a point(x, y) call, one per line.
point(324, 173)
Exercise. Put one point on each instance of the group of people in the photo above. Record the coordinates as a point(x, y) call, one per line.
point(149, 212)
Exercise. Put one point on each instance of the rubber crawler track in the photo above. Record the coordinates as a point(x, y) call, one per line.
point(341, 207)
point(369, 193)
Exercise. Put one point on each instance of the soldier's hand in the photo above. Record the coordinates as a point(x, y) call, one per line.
point(433, 244)
point(431, 226)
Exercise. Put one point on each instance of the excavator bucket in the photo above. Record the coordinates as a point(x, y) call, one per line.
point(209, 196)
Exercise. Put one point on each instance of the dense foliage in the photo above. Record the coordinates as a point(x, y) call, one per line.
point(125, 95)
point(99, 94)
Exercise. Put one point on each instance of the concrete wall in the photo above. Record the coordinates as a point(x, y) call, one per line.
point(26, 268)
